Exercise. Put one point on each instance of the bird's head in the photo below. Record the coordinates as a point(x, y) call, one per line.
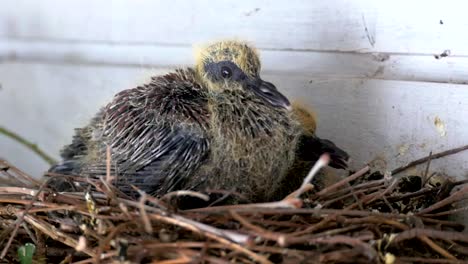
point(231, 65)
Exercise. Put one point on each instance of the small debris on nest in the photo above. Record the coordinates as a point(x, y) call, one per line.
point(364, 218)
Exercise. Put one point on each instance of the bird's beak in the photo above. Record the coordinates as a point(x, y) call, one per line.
point(268, 92)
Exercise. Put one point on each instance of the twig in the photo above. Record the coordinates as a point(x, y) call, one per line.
point(216, 234)
point(376, 196)
point(416, 232)
point(425, 178)
point(376, 220)
point(436, 247)
point(19, 173)
point(33, 147)
point(54, 233)
point(344, 181)
point(428, 260)
point(433, 157)
point(447, 201)
point(258, 230)
point(223, 236)
point(199, 195)
point(144, 215)
point(20, 219)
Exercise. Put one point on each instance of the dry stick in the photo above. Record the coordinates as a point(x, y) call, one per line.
point(18, 190)
point(289, 211)
point(106, 241)
point(358, 201)
point(458, 248)
point(144, 215)
point(213, 233)
point(324, 222)
point(20, 219)
point(449, 212)
point(425, 178)
point(375, 196)
point(52, 232)
point(436, 247)
point(201, 196)
point(417, 232)
point(33, 147)
point(344, 181)
point(433, 157)
point(458, 195)
point(229, 238)
point(360, 187)
point(287, 241)
point(420, 192)
point(427, 260)
point(259, 230)
point(19, 172)
point(376, 220)
point(334, 200)
point(443, 223)
point(340, 239)
point(180, 260)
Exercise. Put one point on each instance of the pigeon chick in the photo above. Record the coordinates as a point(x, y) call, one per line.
point(217, 125)
point(309, 149)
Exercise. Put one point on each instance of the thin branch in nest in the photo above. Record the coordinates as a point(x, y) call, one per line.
point(20, 220)
point(436, 247)
point(198, 195)
point(417, 232)
point(52, 232)
point(218, 235)
point(144, 215)
point(19, 174)
point(458, 195)
point(203, 229)
point(428, 260)
point(375, 196)
point(377, 220)
point(358, 244)
point(17, 190)
point(432, 157)
point(322, 224)
point(426, 172)
point(344, 181)
point(449, 212)
point(278, 237)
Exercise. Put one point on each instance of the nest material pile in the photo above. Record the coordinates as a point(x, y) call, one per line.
point(365, 218)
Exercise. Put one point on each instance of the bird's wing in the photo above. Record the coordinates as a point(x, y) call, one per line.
point(73, 154)
point(156, 133)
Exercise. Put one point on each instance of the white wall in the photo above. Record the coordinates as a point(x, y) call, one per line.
point(367, 67)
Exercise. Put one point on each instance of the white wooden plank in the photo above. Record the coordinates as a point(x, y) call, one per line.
point(300, 63)
point(399, 26)
point(369, 118)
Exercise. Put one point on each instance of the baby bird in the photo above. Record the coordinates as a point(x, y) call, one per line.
point(309, 148)
point(217, 125)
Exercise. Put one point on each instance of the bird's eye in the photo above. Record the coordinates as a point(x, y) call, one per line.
point(226, 72)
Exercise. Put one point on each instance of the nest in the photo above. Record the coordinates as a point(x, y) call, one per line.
point(364, 218)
